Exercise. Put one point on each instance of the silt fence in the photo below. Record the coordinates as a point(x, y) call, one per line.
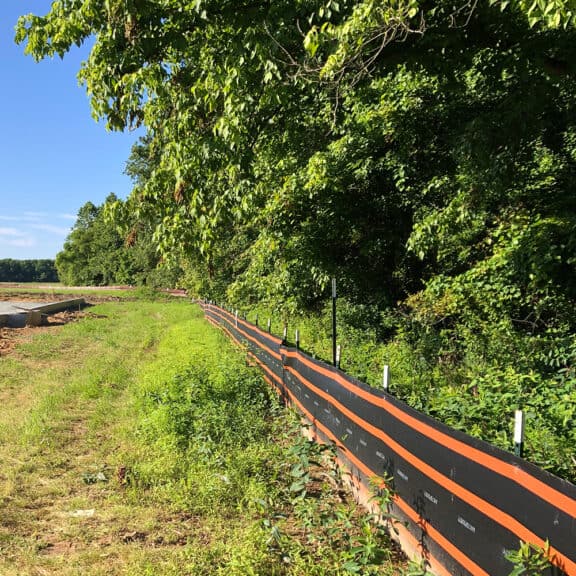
point(461, 503)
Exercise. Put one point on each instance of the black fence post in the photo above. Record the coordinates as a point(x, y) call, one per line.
point(334, 359)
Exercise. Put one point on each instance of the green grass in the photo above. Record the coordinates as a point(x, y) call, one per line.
point(138, 441)
point(60, 397)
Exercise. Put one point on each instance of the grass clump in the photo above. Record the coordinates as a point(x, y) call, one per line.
point(205, 421)
point(215, 443)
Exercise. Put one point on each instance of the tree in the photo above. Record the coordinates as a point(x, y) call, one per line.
point(244, 101)
point(107, 246)
point(423, 152)
point(91, 251)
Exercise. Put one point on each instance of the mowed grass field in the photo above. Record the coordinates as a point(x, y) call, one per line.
point(137, 441)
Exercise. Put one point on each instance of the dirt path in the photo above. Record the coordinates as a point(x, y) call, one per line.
point(11, 337)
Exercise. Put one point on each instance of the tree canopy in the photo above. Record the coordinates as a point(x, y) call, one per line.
point(424, 153)
point(103, 250)
point(389, 142)
point(291, 138)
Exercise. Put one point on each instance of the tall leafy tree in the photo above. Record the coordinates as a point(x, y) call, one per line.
point(423, 152)
point(92, 253)
point(250, 105)
point(108, 246)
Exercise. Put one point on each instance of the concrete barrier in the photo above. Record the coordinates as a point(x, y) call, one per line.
point(20, 314)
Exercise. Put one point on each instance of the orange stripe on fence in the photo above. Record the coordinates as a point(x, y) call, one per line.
point(470, 565)
point(274, 339)
point(513, 473)
point(398, 526)
point(266, 369)
point(489, 510)
point(258, 343)
point(456, 553)
point(520, 477)
point(251, 326)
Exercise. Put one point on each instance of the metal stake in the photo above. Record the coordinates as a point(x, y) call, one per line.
point(386, 377)
point(519, 433)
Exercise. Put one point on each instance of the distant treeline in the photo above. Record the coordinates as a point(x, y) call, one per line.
point(28, 271)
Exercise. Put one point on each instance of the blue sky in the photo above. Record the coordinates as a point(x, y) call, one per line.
point(53, 156)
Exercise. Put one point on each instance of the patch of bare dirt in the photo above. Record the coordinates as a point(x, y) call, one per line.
point(57, 548)
point(11, 337)
point(18, 296)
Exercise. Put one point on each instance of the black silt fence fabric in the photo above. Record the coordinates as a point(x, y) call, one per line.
point(465, 501)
